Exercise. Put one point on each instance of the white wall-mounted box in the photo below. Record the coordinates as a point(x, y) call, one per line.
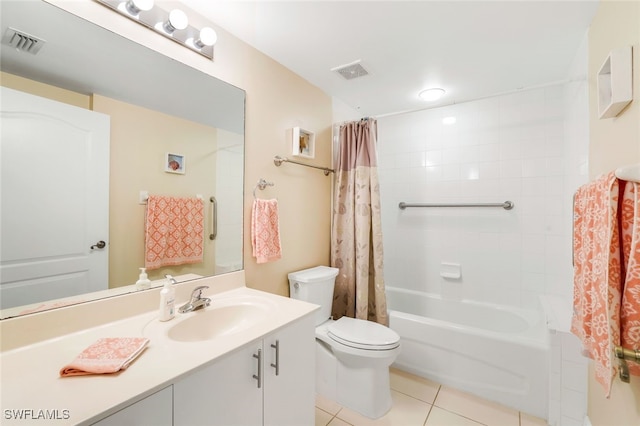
point(615, 89)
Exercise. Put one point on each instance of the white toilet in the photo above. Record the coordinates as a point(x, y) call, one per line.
point(352, 355)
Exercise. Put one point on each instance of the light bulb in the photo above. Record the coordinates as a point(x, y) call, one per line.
point(134, 7)
point(208, 37)
point(431, 94)
point(177, 21)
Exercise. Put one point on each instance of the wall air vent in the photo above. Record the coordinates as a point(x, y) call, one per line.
point(351, 71)
point(22, 41)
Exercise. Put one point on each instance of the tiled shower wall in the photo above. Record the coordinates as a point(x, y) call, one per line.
point(528, 147)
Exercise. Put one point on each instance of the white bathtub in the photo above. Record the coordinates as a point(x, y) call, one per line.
point(498, 353)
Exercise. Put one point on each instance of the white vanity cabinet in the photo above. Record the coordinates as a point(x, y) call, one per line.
point(154, 410)
point(242, 387)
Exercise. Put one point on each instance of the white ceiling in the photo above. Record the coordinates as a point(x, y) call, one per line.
point(472, 49)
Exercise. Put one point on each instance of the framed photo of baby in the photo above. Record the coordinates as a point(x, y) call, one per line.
point(304, 142)
point(174, 163)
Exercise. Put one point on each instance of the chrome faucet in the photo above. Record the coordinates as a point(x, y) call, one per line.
point(196, 301)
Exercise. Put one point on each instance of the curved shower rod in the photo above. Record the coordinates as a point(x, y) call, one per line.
point(277, 160)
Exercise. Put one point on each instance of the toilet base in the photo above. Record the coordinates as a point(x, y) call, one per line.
point(357, 384)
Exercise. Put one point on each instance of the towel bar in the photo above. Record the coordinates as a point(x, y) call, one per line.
point(624, 355)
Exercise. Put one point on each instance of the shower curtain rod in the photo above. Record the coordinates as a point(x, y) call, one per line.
point(479, 98)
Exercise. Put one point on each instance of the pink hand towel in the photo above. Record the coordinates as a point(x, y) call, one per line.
point(597, 274)
point(630, 238)
point(265, 231)
point(105, 356)
point(174, 231)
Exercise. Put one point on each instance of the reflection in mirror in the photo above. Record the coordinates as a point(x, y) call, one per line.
point(89, 127)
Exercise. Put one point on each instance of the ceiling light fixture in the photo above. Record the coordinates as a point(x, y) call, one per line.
point(173, 25)
point(431, 95)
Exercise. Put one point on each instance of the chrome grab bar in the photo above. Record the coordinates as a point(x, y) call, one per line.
point(507, 205)
point(214, 218)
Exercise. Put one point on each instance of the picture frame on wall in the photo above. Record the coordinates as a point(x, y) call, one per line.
point(175, 163)
point(303, 143)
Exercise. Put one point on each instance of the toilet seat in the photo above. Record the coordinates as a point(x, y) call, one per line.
point(362, 334)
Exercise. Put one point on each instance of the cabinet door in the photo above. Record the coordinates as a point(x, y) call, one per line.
point(154, 410)
point(223, 393)
point(289, 396)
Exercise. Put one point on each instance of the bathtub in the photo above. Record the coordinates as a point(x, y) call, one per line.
point(498, 353)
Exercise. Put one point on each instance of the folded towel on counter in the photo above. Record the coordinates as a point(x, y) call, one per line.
point(265, 231)
point(174, 231)
point(597, 273)
point(105, 356)
point(630, 241)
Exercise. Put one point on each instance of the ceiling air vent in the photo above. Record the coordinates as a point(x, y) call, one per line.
point(351, 71)
point(22, 41)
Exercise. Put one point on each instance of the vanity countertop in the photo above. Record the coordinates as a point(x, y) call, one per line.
point(32, 387)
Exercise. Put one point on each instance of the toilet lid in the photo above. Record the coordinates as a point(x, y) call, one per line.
point(363, 334)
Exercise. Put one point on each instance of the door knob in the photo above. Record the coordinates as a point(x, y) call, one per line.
point(99, 245)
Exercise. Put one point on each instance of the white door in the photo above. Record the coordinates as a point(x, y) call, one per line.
point(54, 199)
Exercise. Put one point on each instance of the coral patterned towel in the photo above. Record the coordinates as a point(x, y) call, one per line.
point(630, 238)
point(105, 356)
point(265, 231)
point(174, 231)
point(597, 274)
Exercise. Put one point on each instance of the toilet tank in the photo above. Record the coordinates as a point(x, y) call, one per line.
point(315, 285)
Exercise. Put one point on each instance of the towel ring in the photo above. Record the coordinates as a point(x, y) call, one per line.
point(262, 184)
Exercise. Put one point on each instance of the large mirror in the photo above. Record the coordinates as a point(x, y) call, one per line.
point(74, 211)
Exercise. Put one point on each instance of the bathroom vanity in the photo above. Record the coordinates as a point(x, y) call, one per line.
point(250, 363)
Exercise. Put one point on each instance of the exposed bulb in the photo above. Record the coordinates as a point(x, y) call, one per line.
point(208, 37)
point(177, 21)
point(134, 7)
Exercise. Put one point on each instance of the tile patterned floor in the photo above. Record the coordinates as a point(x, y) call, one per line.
point(421, 402)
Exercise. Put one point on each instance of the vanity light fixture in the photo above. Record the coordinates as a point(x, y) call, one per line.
point(172, 24)
point(431, 95)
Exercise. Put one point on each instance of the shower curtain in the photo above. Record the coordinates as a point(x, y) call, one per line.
point(356, 237)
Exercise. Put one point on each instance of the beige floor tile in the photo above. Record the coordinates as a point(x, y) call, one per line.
point(322, 417)
point(338, 422)
point(529, 420)
point(440, 417)
point(473, 407)
point(417, 387)
point(406, 411)
point(327, 405)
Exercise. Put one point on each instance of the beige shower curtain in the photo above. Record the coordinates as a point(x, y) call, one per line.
point(356, 241)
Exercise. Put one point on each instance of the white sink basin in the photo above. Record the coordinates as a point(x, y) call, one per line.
point(225, 316)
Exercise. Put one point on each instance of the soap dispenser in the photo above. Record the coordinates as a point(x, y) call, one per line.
point(167, 299)
point(143, 281)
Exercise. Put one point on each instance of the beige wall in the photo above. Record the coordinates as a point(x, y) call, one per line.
point(614, 142)
point(44, 90)
point(140, 139)
point(277, 99)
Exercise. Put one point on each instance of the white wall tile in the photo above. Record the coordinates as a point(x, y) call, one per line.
point(528, 147)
